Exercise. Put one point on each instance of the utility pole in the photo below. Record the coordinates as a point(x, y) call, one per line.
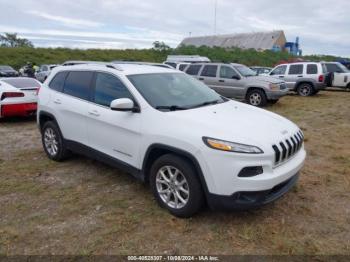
point(215, 10)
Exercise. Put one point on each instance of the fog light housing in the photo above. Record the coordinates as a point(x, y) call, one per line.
point(251, 171)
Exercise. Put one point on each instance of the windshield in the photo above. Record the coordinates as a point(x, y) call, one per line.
point(6, 68)
point(174, 91)
point(344, 68)
point(245, 71)
point(22, 82)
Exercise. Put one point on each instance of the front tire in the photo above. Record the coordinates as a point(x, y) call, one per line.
point(257, 97)
point(305, 89)
point(175, 186)
point(53, 142)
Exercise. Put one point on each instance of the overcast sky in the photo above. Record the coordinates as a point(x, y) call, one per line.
point(323, 26)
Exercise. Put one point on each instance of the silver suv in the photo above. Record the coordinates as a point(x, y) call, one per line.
point(305, 78)
point(240, 82)
point(44, 72)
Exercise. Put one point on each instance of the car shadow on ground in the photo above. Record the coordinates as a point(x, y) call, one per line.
point(16, 120)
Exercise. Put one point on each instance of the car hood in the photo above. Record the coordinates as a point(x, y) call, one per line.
point(236, 122)
point(267, 79)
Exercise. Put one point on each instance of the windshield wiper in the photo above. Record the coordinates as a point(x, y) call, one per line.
point(172, 108)
point(207, 103)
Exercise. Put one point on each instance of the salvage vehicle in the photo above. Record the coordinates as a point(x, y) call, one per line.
point(7, 71)
point(44, 72)
point(338, 75)
point(18, 96)
point(240, 82)
point(305, 78)
point(168, 129)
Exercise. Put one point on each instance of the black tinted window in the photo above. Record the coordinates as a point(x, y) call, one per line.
point(193, 69)
point(332, 68)
point(209, 71)
point(108, 88)
point(281, 70)
point(311, 69)
point(58, 81)
point(182, 67)
point(227, 72)
point(78, 84)
point(295, 70)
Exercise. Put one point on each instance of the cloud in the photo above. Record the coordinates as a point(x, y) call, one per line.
point(66, 21)
point(323, 26)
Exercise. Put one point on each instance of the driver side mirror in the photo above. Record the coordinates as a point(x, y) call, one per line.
point(236, 77)
point(124, 105)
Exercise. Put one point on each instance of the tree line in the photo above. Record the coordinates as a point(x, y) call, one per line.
point(15, 51)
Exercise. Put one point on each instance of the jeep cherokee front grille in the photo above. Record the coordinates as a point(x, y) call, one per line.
point(287, 148)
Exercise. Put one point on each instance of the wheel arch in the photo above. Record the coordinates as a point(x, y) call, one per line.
point(44, 117)
point(254, 88)
point(155, 151)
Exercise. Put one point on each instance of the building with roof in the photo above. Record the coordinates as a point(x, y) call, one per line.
point(273, 40)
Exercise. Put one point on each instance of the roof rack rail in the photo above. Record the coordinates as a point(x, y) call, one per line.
point(107, 64)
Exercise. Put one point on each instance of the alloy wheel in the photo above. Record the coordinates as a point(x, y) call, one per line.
point(172, 187)
point(50, 140)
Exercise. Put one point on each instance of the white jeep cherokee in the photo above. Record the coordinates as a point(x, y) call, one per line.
point(168, 129)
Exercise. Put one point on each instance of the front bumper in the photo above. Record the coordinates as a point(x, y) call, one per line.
point(275, 95)
point(245, 200)
point(26, 109)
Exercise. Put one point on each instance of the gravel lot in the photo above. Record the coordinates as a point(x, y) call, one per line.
point(81, 206)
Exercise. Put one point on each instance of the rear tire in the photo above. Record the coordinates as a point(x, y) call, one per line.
point(256, 97)
point(175, 186)
point(305, 89)
point(53, 142)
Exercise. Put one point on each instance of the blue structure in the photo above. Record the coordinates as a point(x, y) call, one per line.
point(294, 48)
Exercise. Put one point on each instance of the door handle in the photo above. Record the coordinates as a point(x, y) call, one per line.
point(281, 76)
point(300, 76)
point(222, 81)
point(201, 78)
point(57, 101)
point(94, 113)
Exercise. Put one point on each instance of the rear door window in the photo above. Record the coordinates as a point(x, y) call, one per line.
point(209, 71)
point(58, 81)
point(193, 69)
point(311, 69)
point(296, 69)
point(78, 84)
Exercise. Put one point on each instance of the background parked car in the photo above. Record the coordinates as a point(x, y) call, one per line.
point(8, 71)
point(305, 78)
point(44, 72)
point(177, 65)
point(239, 81)
point(338, 75)
point(261, 70)
point(18, 96)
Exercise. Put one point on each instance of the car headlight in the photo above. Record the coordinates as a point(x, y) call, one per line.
point(274, 87)
point(231, 146)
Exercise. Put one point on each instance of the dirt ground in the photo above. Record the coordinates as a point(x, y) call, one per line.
point(81, 206)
